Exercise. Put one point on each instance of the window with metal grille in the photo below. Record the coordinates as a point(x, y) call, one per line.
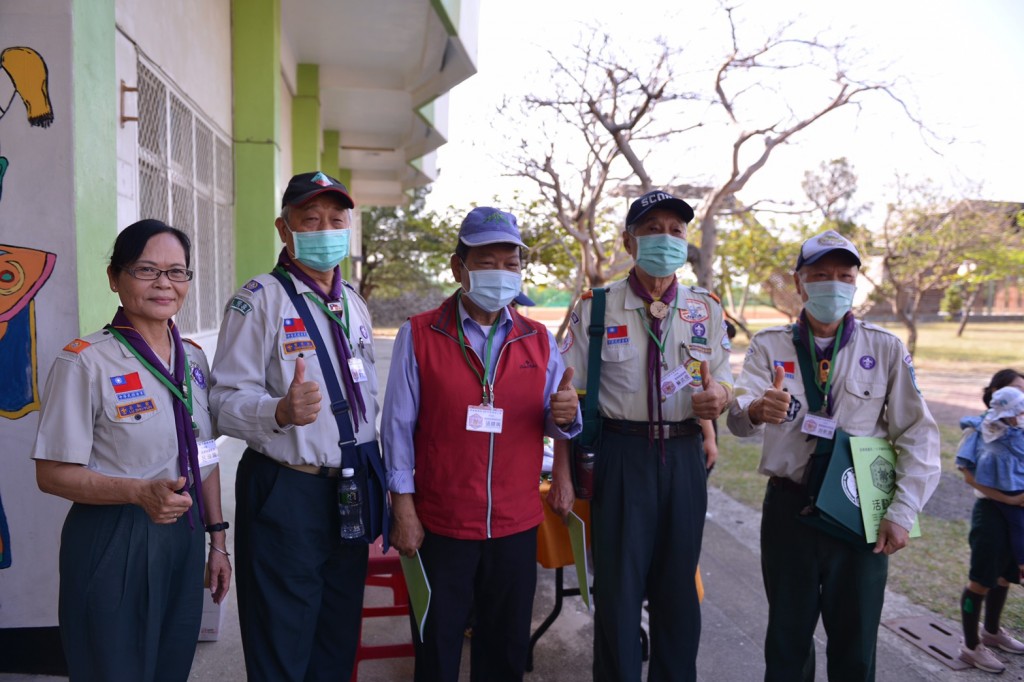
point(186, 180)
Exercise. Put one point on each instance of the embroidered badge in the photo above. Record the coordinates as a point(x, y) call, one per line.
point(566, 342)
point(693, 369)
point(197, 375)
point(867, 362)
point(698, 329)
point(788, 366)
point(294, 328)
point(574, 318)
point(77, 346)
point(292, 347)
point(694, 311)
point(127, 386)
point(794, 408)
point(363, 331)
point(240, 306)
point(617, 335)
point(135, 410)
point(321, 180)
point(252, 286)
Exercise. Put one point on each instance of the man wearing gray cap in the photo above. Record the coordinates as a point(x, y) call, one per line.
point(473, 389)
point(801, 383)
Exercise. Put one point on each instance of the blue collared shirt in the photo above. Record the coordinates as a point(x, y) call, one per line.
point(402, 397)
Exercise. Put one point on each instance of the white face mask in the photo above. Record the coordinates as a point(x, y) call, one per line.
point(828, 301)
point(492, 290)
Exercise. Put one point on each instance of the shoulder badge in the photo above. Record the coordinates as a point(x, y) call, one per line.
point(588, 294)
point(76, 346)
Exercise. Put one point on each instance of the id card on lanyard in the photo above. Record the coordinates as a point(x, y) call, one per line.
point(484, 418)
point(820, 424)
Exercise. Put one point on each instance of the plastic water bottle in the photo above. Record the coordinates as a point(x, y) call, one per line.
point(350, 506)
point(585, 474)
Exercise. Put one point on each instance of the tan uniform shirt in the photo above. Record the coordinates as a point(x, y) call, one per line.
point(103, 409)
point(261, 337)
point(874, 394)
point(696, 332)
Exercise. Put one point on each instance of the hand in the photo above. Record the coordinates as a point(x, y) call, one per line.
point(160, 501)
point(711, 401)
point(565, 402)
point(302, 402)
point(892, 537)
point(406, 530)
point(561, 496)
point(710, 453)
point(219, 569)
point(772, 407)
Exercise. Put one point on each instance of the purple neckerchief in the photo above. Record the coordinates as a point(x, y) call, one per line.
point(188, 449)
point(340, 344)
point(653, 353)
point(849, 324)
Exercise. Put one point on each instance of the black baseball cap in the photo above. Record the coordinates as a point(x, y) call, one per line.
point(658, 199)
point(305, 186)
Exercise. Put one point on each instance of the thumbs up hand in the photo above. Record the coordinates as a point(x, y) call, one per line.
point(771, 408)
point(301, 403)
point(712, 399)
point(565, 403)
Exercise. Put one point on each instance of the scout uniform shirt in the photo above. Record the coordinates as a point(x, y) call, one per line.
point(261, 337)
point(874, 393)
point(696, 332)
point(105, 410)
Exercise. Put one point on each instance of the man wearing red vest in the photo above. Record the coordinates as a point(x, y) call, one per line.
point(473, 389)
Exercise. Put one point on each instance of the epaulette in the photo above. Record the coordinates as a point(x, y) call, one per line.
point(193, 343)
point(712, 295)
point(588, 294)
point(345, 282)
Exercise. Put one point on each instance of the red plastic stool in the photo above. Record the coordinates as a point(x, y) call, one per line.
point(384, 570)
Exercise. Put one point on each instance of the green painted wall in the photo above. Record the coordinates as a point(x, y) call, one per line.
point(94, 81)
point(306, 120)
point(329, 155)
point(256, 71)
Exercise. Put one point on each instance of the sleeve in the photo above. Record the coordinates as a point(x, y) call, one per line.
point(401, 410)
point(754, 380)
point(555, 370)
point(967, 450)
point(68, 414)
point(576, 345)
point(239, 396)
point(914, 435)
point(720, 346)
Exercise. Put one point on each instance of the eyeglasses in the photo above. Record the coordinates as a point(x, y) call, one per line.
point(148, 273)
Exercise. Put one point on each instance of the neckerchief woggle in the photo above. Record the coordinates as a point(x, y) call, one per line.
point(180, 385)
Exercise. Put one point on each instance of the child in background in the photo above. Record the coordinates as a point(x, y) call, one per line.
point(991, 458)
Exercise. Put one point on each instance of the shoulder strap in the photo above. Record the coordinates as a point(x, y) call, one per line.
point(339, 406)
point(813, 392)
point(596, 333)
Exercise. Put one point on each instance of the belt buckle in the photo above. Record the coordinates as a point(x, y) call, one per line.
point(666, 431)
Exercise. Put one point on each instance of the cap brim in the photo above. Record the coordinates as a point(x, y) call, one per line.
point(496, 237)
point(677, 206)
point(308, 196)
point(523, 299)
point(818, 256)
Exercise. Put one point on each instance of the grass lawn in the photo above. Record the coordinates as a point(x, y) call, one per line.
point(932, 570)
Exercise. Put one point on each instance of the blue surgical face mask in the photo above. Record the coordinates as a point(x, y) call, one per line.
point(828, 301)
point(492, 290)
point(321, 250)
point(660, 255)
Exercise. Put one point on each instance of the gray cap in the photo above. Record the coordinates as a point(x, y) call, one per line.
point(815, 248)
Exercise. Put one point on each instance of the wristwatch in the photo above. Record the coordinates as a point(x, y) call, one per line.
point(214, 527)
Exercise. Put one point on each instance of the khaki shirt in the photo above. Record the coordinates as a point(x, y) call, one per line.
point(874, 394)
point(696, 332)
point(257, 348)
point(103, 409)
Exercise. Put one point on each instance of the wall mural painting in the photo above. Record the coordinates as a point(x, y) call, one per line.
point(23, 272)
point(28, 73)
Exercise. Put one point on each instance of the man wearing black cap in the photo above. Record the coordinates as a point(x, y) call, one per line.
point(862, 383)
point(473, 389)
point(300, 588)
point(664, 365)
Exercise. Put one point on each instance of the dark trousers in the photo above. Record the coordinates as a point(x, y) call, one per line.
point(300, 590)
point(131, 594)
point(808, 573)
point(1014, 516)
point(648, 523)
point(497, 578)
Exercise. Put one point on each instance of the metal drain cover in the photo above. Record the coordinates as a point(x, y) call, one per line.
point(939, 638)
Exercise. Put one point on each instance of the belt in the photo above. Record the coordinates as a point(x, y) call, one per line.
point(690, 427)
point(324, 472)
point(787, 484)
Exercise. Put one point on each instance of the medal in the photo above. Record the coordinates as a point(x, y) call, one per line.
point(659, 310)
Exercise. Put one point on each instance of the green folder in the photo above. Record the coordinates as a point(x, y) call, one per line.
point(875, 463)
point(838, 500)
point(419, 589)
point(578, 539)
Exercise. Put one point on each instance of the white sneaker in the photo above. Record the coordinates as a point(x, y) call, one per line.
point(982, 659)
point(1002, 640)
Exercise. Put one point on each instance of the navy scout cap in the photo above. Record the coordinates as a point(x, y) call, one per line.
point(305, 186)
point(658, 199)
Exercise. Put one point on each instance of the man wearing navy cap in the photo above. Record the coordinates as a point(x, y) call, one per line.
point(859, 378)
point(473, 389)
point(300, 588)
point(664, 366)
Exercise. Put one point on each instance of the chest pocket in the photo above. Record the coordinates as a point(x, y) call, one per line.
point(293, 341)
point(864, 402)
point(620, 369)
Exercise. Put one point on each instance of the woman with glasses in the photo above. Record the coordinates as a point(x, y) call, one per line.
point(125, 434)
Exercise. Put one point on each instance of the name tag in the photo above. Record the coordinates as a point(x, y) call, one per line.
point(817, 425)
point(484, 418)
point(355, 366)
point(208, 452)
point(675, 380)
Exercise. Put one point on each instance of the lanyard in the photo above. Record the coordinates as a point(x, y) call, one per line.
point(486, 381)
point(825, 366)
point(184, 394)
point(341, 322)
point(660, 343)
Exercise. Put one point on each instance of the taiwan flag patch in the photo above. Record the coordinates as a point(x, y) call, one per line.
point(788, 366)
point(617, 334)
point(127, 386)
point(294, 328)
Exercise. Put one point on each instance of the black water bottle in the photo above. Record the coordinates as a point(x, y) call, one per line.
point(350, 506)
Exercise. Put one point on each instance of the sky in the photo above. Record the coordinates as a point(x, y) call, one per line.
point(960, 63)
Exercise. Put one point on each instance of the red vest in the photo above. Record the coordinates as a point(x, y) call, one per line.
point(470, 485)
